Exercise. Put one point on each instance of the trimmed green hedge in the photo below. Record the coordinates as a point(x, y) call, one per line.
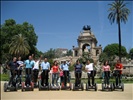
point(5, 77)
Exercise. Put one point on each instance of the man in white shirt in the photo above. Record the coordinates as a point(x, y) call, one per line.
point(36, 70)
point(90, 72)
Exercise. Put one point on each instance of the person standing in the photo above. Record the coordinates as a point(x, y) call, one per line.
point(29, 63)
point(12, 66)
point(78, 72)
point(45, 67)
point(91, 72)
point(65, 68)
point(36, 70)
point(19, 71)
point(55, 73)
point(106, 70)
point(118, 69)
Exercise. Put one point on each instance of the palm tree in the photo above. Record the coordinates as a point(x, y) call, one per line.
point(19, 46)
point(118, 12)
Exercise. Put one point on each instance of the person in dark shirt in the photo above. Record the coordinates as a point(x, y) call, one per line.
point(78, 72)
point(19, 70)
point(12, 66)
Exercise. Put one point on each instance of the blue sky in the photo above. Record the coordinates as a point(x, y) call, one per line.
point(58, 23)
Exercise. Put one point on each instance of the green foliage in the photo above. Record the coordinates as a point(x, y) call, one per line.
point(4, 77)
point(71, 68)
point(86, 57)
point(118, 11)
point(113, 49)
point(50, 54)
point(103, 57)
point(131, 53)
point(19, 46)
point(8, 30)
point(69, 53)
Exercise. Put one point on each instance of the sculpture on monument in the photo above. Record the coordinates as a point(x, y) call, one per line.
point(87, 27)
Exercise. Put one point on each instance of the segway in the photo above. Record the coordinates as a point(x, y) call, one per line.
point(30, 85)
point(94, 87)
point(80, 85)
point(68, 85)
point(13, 85)
point(18, 81)
point(104, 85)
point(40, 87)
point(120, 85)
point(54, 86)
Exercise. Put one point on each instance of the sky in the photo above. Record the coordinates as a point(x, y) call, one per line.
point(59, 23)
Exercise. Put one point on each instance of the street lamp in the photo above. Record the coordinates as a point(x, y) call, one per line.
point(129, 66)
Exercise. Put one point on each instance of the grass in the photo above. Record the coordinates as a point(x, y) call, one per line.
point(5, 77)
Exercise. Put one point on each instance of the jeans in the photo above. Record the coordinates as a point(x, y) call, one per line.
point(19, 76)
point(106, 77)
point(78, 78)
point(66, 75)
point(89, 78)
point(91, 75)
point(28, 76)
point(35, 75)
point(44, 77)
point(55, 77)
point(118, 79)
point(13, 77)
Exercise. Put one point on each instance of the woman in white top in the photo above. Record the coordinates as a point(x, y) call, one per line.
point(90, 72)
point(36, 70)
point(106, 70)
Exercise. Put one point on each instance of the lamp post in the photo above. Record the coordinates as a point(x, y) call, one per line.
point(129, 66)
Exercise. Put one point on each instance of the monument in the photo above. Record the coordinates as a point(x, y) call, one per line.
point(87, 42)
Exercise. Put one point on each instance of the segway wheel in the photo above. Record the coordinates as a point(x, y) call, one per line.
point(102, 86)
point(32, 86)
point(48, 87)
point(122, 87)
point(16, 87)
point(22, 88)
point(82, 86)
point(5, 87)
point(73, 87)
point(70, 86)
point(39, 85)
point(95, 87)
point(113, 86)
point(87, 86)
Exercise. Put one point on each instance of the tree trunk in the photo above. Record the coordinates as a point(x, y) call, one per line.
point(119, 35)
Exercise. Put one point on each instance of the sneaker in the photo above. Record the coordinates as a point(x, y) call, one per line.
point(20, 85)
point(25, 86)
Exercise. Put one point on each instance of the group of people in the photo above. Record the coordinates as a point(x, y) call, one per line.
point(57, 71)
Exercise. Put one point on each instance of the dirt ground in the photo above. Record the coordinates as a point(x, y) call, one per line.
point(67, 94)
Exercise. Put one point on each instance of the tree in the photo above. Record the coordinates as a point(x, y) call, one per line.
point(118, 12)
point(131, 53)
point(19, 46)
point(113, 50)
point(8, 30)
point(50, 54)
point(69, 53)
point(103, 57)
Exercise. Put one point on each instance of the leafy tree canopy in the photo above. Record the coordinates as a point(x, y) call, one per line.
point(113, 49)
point(9, 29)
